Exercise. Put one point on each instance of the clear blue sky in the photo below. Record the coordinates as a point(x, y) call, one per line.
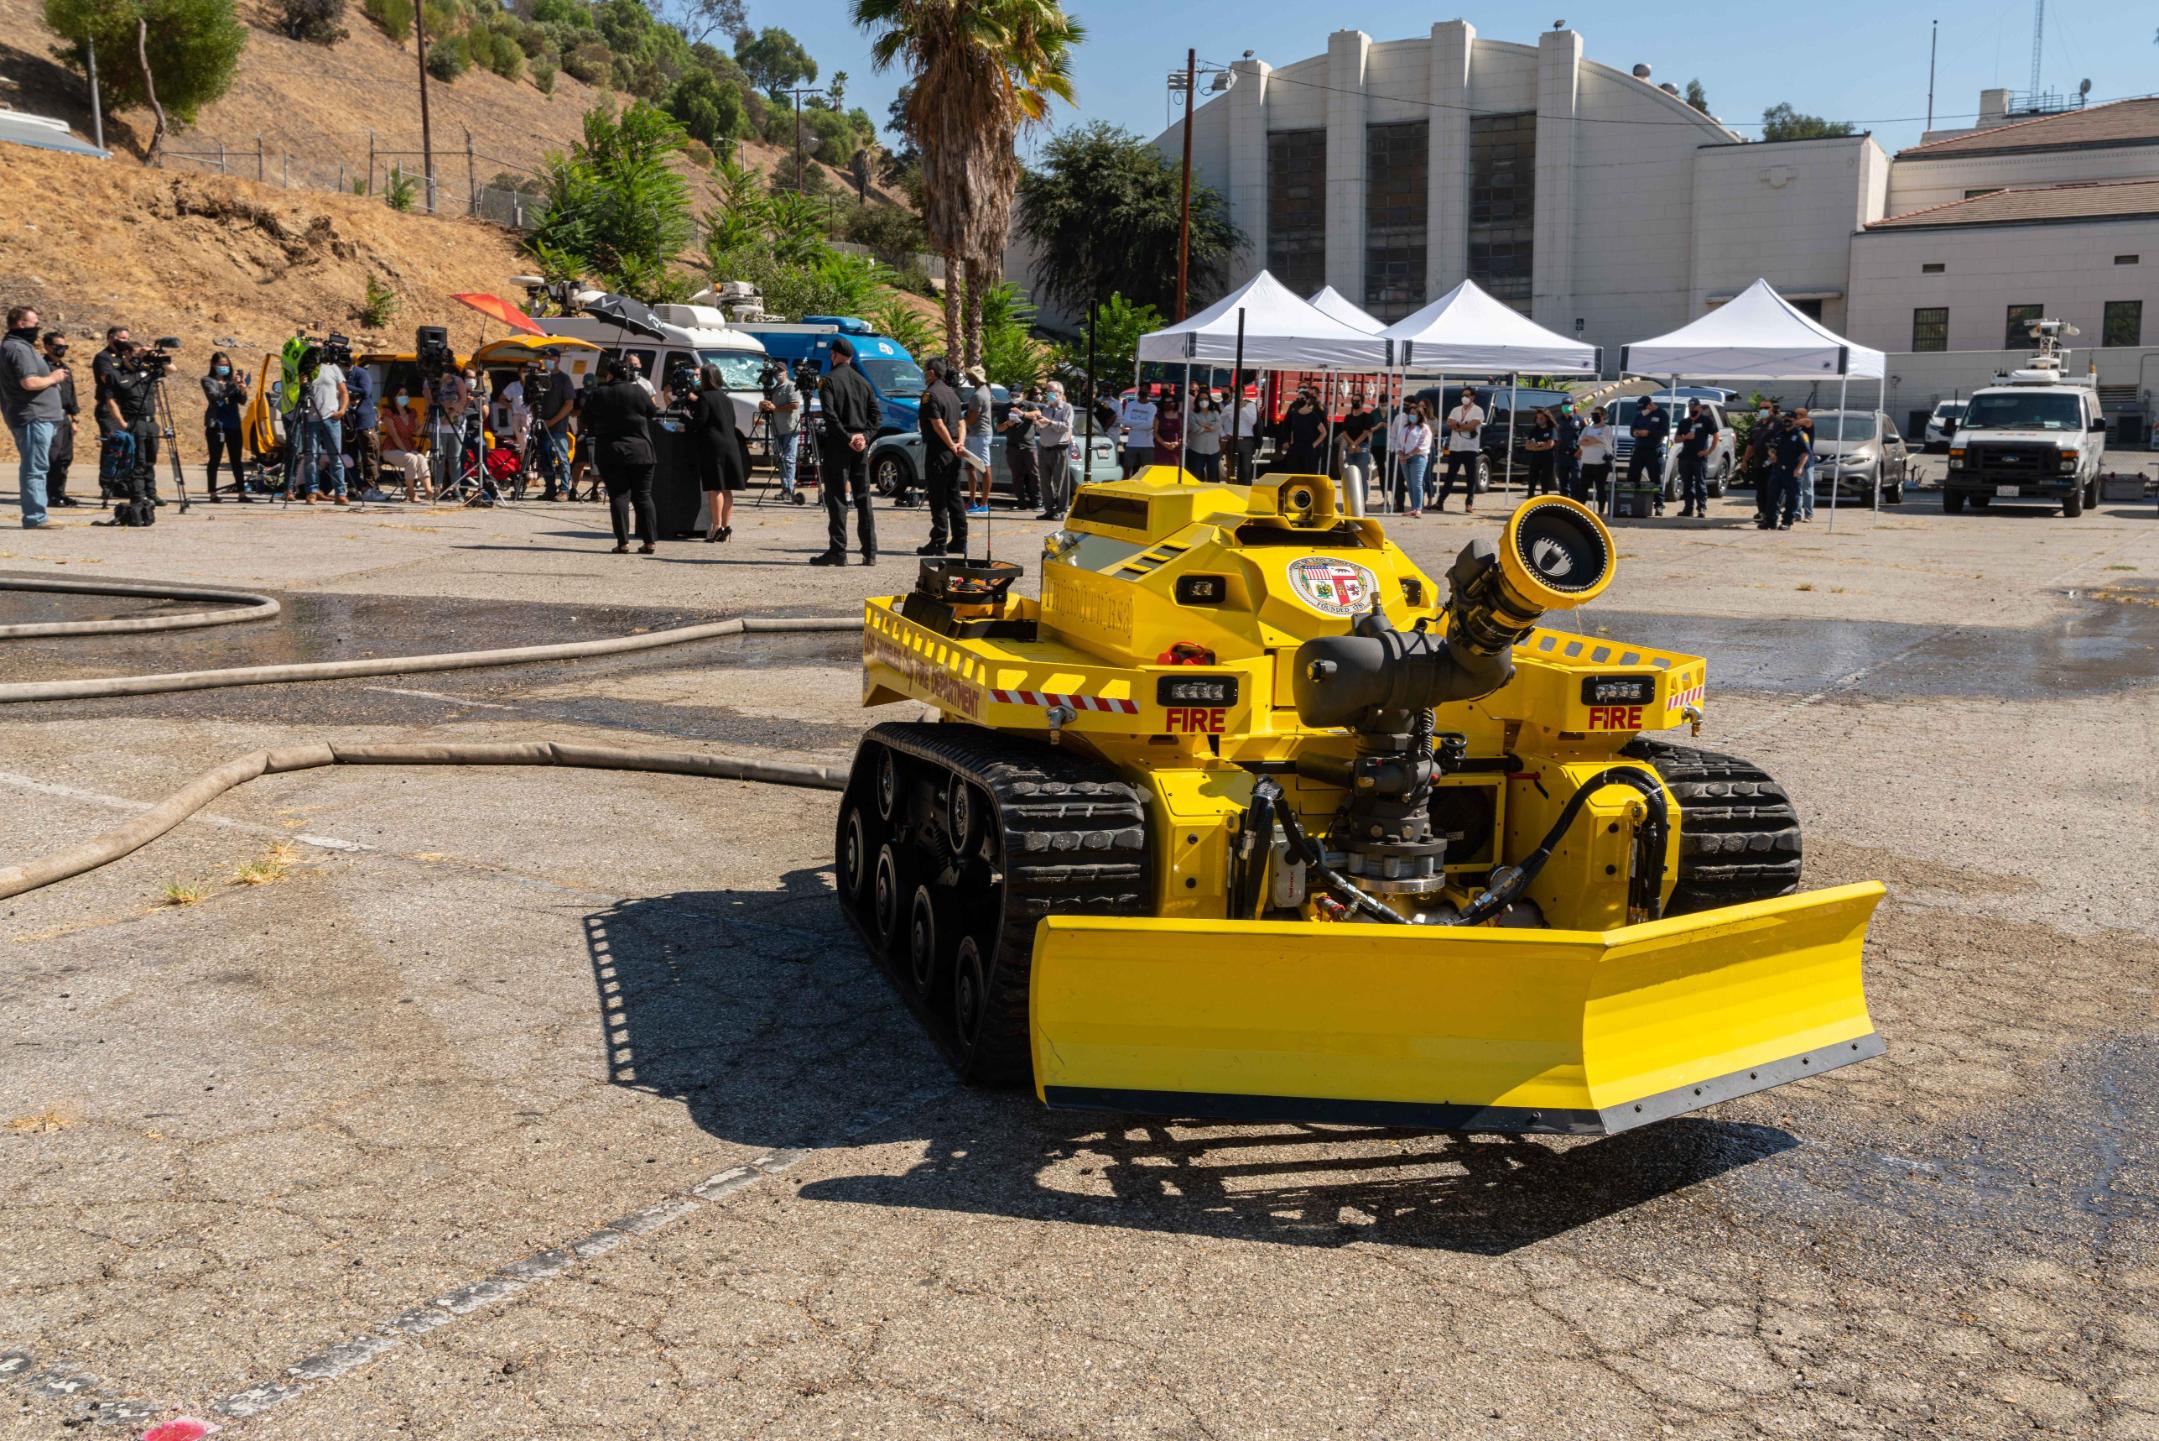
point(1859, 60)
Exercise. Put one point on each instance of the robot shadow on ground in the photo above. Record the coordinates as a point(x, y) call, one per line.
point(759, 1011)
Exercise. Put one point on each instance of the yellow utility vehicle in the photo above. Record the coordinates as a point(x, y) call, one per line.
point(1248, 817)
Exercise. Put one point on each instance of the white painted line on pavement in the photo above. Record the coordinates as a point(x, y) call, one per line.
point(76, 793)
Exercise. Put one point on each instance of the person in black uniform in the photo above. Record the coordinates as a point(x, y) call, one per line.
point(1304, 435)
point(62, 453)
point(849, 417)
point(1696, 433)
point(1540, 450)
point(943, 445)
point(1795, 445)
point(719, 459)
point(617, 430)
point(1651, 427)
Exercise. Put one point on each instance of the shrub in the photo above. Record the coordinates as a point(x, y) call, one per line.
point(893, 231)
point(196, 44)
point(392, 17)
point(399, 189)
point(315, 21)
point(379, 306)
point(590, 61)
point(447, 57)
point(543, 76)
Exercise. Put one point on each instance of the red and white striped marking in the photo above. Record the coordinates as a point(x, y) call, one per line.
point(1045, 699)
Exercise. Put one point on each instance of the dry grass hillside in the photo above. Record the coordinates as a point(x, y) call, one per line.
point(211, 259)
point(317, 105)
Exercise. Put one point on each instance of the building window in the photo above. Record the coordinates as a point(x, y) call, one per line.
point(1811, 309)
point(1297, 208)
point(1503, 205)
point(1396, 163)
point(2126, 259)
point(1930, 328)
point(1985, 190)
point(2017, 334)
point(2123, 323)
point(1932, 267)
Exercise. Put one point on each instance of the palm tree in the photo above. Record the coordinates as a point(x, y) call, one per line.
point(980, 70)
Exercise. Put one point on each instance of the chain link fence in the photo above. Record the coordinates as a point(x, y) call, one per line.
point(376, 163)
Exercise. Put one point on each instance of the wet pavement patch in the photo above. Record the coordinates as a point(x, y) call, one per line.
point(2094, 647)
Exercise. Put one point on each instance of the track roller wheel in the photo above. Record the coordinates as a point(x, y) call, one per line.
point(886, 786)
point(970, 998)
point(929, 944)
point(888, 901)
point(858, 857)
point(964, 816)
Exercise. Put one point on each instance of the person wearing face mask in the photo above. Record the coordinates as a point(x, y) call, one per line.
point(1304, 434)
point(62, 454)
point(224, 395)
point(1203, 438)
point(401, 449)
point(30, 398)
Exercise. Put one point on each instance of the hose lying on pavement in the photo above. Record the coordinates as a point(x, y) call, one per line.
point(130, 685)
point(205, 788)
point(252, 607)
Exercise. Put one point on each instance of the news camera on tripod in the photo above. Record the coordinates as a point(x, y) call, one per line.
point(317, 397)
point(135, 384)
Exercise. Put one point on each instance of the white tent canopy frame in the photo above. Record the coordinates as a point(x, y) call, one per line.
point(1332, 302)
point(1262, 325)
point(1760, 335)
point(1469, 332)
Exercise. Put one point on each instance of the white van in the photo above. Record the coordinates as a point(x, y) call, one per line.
point(689, 334)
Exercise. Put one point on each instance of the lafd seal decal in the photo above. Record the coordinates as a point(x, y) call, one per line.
point(1333, 587)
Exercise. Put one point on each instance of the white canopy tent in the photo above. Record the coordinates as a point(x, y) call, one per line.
point(1760, 335)
point(1264, 325)
point(1334, 303)
point(1470, 333)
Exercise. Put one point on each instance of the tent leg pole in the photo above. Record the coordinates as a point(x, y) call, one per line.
point(1844, 385)
point(1514, 403)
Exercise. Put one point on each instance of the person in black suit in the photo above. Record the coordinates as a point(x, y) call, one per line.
point(719, 458)
point(616, 426)
point(850, 413)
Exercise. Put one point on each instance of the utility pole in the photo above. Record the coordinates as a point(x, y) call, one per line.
point(1934, 44)
point(798, 92)
point(1184, 206)
point(427, 135)
point(97, 104)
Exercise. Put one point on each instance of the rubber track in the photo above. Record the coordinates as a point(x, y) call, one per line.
point(1074, 844)
point(1738, 832)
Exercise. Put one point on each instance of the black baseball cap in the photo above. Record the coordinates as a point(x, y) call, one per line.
point(841, 347)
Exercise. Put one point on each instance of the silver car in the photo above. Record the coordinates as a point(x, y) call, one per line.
point(1716, 466)
point(1859, 453)
point(896, 462)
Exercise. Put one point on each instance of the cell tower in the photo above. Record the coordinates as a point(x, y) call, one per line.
point(2039, 41)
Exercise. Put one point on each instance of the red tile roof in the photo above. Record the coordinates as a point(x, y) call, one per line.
point(2098, 200)
point(2118, 122)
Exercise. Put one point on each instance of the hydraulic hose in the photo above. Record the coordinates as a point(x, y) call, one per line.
point(133, 685)
point(192, 797)
point(250, 606)
point(1510, 882)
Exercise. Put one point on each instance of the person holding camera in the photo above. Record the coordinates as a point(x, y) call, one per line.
point(850, 412)
point(62, 454)
point(322, 441)
point(782, 410)
point(224, 394)
point(1053, 443)
point(719, 454)
point(617, 427)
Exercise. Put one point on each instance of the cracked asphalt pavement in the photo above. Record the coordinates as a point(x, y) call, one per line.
point(489, 1103)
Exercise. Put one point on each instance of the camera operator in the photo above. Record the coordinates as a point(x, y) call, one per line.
point(224, 395)
point(782, 410)
point(551, 428)
point(62, 454)
point(362, 444)
point(139, 374)
point(321, 442)
point(30, 400)
point(850, 412)
point(104, 368)
point(617, 426)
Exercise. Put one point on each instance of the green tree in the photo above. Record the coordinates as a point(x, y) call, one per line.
point(314, 21)
point(1118, 325)
point(1781, 122)
point(1697, 96)
point(893, 316)
point(979, 71)
point(709, 108)
point(615, 206)
point(1102, 208)
point(1011, 355)
point(774, 59)
point(198, 42)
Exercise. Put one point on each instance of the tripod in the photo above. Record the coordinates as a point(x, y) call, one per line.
point(461, 477)
point(161, 414)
